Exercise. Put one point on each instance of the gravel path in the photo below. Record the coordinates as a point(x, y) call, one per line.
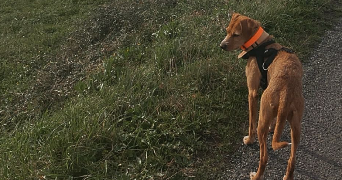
point(319, 156)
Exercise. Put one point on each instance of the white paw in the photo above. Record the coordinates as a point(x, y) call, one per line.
point(252, 175)
point(247, 140)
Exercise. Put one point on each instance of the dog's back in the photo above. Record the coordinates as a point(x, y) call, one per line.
point(285, 74)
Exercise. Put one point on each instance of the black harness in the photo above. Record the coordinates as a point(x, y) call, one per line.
point(264, 59)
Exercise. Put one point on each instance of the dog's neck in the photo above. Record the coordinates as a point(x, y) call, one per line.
point(258, 38)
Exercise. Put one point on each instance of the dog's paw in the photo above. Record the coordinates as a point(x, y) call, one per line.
point(248, 140)
point(252, 175)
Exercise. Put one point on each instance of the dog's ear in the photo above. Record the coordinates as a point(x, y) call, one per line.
point(249, 26)
point(235, 15)
point(230, 13)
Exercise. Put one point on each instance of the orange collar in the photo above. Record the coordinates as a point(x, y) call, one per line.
point(255, 40)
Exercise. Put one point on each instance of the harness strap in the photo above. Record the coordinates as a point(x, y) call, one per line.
point(264, 63)
point(264, 59)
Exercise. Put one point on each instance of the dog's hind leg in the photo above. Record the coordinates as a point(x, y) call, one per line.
point(272, 126)
point(294, 120)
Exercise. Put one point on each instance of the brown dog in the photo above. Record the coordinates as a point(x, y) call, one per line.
point(282, 98)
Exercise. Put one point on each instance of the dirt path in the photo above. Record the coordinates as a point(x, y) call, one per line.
point(319, 156)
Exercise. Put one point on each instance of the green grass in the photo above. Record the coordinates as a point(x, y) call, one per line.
point(130, 89)
point(32, 33)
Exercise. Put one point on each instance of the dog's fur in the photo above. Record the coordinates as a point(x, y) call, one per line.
point(282, 100)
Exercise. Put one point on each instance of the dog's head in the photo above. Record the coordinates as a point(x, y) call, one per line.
point(240, 29)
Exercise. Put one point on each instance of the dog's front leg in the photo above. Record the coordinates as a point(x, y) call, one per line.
point(253, 83)
point(252, 101)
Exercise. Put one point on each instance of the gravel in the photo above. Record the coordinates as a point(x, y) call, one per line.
point(319, 156)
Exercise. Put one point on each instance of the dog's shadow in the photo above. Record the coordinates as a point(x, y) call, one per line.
point(247, 159)
point(280, 157)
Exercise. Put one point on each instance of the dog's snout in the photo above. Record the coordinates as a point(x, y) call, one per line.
point(224, 45)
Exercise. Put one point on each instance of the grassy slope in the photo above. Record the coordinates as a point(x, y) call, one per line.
point(153, 97)
point(31, 35)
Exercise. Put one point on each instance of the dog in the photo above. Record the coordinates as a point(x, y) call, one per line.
point(279, 72)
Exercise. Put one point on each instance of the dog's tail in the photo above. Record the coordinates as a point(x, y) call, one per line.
point(280, 124)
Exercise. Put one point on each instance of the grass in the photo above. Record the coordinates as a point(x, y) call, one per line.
point(31, 35)
point(130, 89)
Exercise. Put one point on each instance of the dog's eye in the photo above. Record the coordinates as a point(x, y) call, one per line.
point(235, 35)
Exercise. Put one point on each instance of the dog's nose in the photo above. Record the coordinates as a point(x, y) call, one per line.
point(223, 45)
